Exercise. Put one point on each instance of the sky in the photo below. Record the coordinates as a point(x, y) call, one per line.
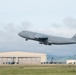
point(53, 17)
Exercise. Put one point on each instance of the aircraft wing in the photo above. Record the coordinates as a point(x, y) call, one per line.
point(41, 37)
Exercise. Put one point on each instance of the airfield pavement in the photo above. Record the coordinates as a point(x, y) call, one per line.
point(50, 69)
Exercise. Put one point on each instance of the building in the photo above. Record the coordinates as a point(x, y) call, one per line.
point(22, 58)
point(71, 61)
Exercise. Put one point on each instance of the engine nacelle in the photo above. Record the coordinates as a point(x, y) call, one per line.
point(45, 43)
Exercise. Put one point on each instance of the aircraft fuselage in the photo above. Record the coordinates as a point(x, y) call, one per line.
point(46, 39)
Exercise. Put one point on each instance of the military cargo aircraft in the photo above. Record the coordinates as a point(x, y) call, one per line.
point(47, 39)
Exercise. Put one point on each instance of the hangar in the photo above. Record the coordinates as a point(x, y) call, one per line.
point(71, 61)
point(18, 57)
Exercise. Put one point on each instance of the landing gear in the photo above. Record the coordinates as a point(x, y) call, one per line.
point(26, 39)
point(49, 43)
point(40, 42)
point(45, 43)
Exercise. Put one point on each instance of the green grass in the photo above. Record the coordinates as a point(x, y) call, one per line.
point(37, 69)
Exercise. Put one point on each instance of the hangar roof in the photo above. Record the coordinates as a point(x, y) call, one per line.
point(21, 54)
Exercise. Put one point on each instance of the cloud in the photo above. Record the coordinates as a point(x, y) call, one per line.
point(9, 32)
point(14, 27)
point(26, 24)
point(70, 22)
point(55, 25)
point(66, 29)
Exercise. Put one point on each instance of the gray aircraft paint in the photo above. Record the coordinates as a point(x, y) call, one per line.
point(47, 39)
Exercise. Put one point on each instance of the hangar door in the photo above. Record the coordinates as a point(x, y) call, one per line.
point(27, 60)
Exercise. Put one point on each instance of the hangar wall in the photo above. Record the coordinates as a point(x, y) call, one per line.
point(22, 58)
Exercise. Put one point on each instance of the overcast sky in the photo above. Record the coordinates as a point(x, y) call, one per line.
point(53, 17)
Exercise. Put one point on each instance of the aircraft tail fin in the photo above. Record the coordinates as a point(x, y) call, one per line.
point(74, 37)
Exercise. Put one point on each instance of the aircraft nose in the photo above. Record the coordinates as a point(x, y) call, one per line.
point(19, 33)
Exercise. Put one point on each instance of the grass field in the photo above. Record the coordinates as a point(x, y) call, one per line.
point(38, 69)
